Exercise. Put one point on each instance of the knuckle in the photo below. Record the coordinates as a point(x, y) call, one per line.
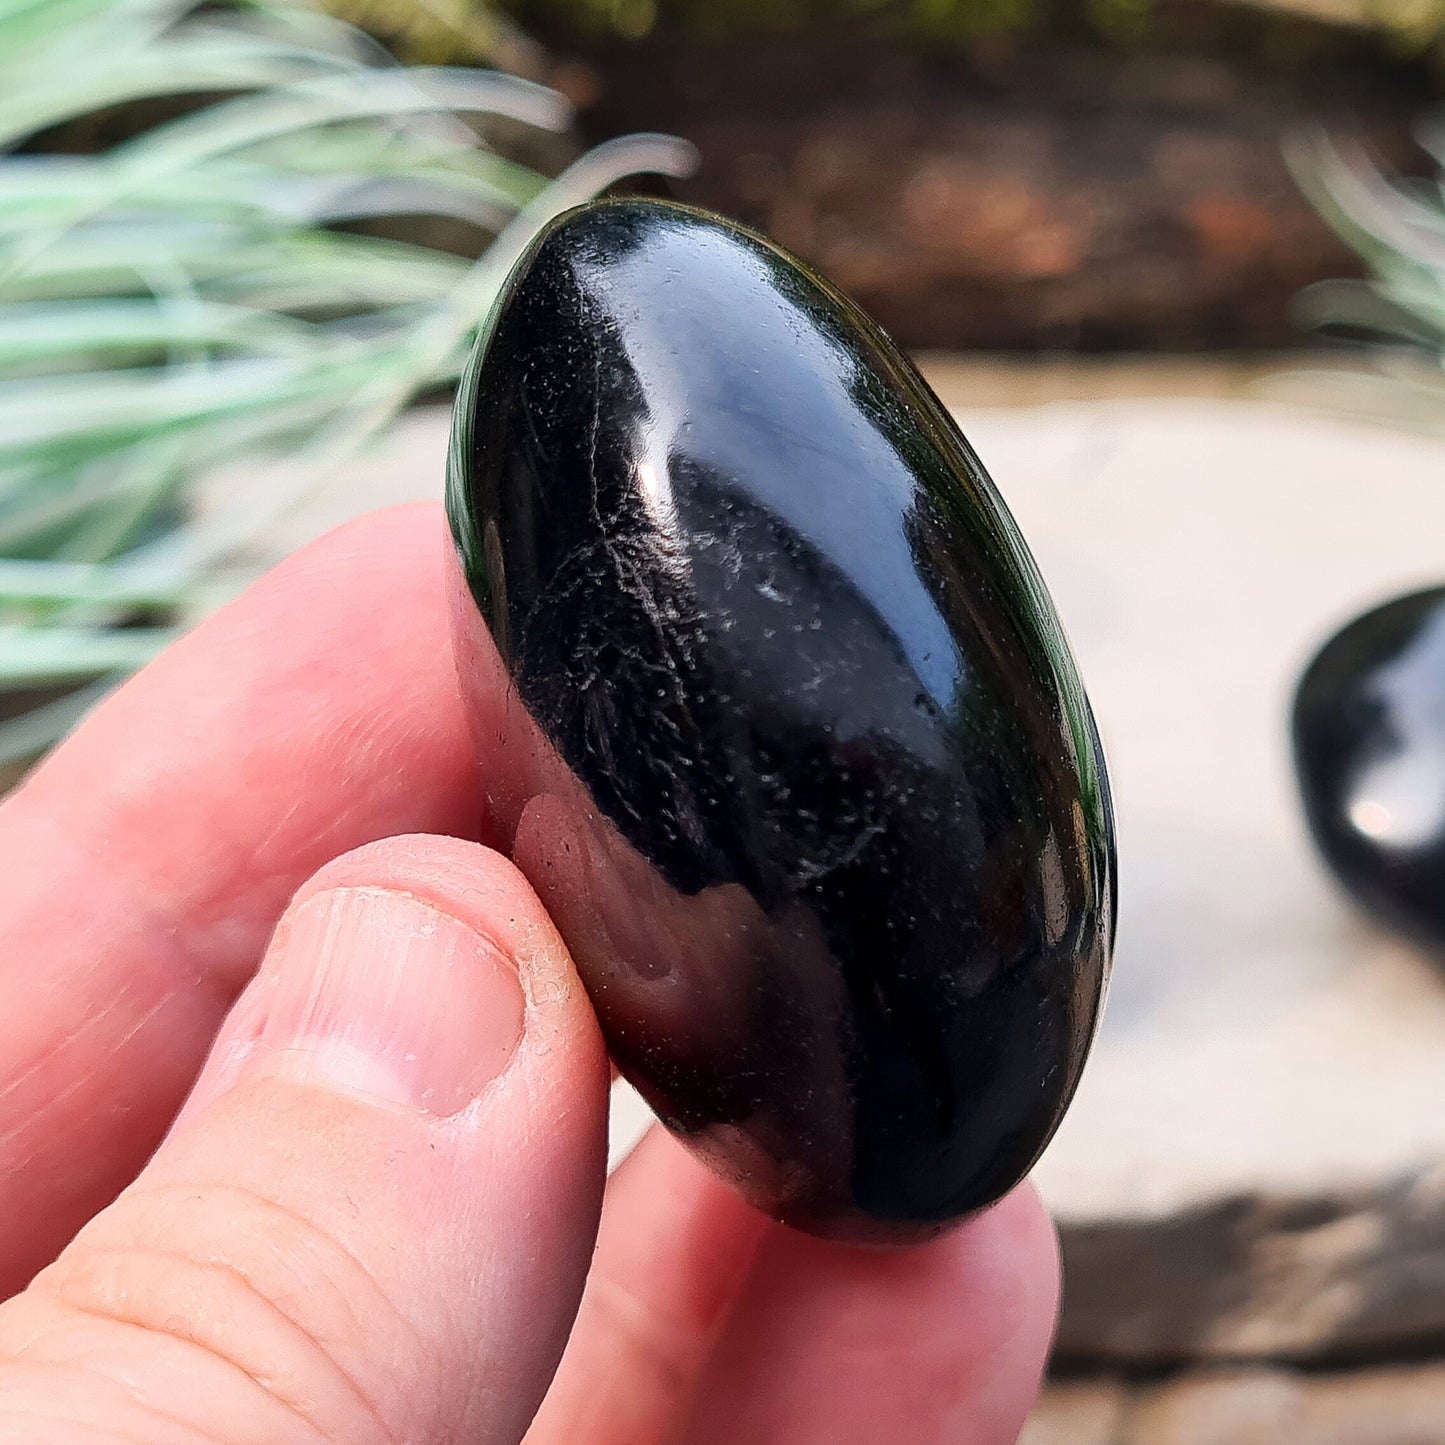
point(237, 1309)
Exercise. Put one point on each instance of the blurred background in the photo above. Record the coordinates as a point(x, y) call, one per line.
point(1179, 268)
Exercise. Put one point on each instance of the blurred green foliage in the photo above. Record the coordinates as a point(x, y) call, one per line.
point(637, 17)
point(218, 289)
point(938, 17)
point(432, 31)
point(1396, 224)
point(441, 30)
point(436, 30)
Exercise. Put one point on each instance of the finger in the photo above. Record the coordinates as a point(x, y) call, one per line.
point(145, 864)
point(832, 1345)
point(672, 1255)
point(373, 1222)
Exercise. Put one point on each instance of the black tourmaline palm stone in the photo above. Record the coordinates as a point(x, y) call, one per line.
point(777, 717)
point(1369, 742)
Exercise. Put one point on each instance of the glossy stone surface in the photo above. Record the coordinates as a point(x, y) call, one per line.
point(777, 717)
point(1369, 745)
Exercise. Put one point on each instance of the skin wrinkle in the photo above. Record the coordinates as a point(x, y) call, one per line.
point(98, 1305)
point(104, 1435)
point(329, 842)
point(202, 1350)
point(164, 931)
point(309, 1230)
point(667, 1347)
point(66, 858)
point(58, 1049)
point(287, 1320)
point(352, 1324)
point(110, 1433)
point(66, 1369)
point(168, 926)
point(55, 1048)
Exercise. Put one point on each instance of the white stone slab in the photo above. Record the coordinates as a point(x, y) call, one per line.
point(1255, 1163)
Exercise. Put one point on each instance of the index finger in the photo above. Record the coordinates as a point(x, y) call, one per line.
point(145, 864)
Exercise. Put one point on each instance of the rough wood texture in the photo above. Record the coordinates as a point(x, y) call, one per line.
point(1079, 1412)
point(1395, 1405)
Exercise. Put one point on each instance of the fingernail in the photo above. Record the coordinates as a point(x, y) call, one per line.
point(378, 994)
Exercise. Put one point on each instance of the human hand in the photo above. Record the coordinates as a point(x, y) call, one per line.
point(372, 1219)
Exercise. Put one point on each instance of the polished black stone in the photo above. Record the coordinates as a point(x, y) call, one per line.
point(777, 717)
point(1369, 746)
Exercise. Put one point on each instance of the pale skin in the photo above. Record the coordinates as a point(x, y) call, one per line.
point(341, 1178)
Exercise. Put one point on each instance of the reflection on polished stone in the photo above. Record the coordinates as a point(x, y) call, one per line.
point(776, 715)
point(1369, 740)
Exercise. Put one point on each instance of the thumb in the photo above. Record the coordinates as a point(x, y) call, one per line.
point(373, 1219)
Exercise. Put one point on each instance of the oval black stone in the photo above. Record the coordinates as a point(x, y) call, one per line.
point(1369, 746)
point(777, 717)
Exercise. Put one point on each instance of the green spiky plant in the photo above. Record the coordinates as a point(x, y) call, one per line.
point(1397, 227)
point(212, 289)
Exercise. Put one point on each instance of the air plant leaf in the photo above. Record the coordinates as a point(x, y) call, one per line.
point(214, 286)
point(1397, 227)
